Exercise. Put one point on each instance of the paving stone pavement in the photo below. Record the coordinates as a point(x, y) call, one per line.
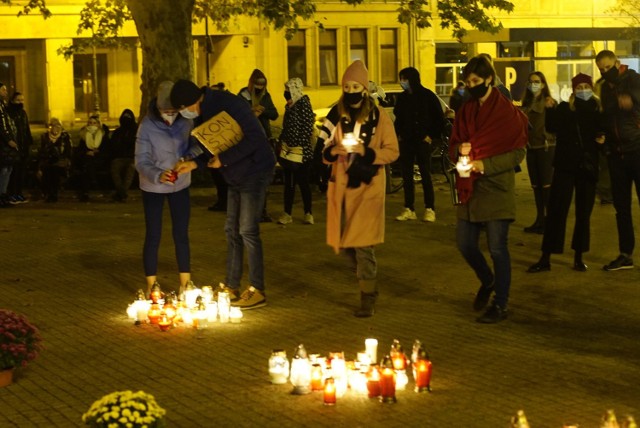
point(568, 352)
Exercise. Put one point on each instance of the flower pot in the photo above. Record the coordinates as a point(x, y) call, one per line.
point(6, 377)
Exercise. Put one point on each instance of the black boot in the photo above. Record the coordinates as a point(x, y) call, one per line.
point(543, 265)
point(538, 225)
point(578, 264)
point(367, 305)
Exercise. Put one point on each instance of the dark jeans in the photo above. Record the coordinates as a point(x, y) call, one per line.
point(299, 177)
point(625, 171)
point(221, 187)
point(51, 176)
point(416, 152)
point(122, 173)
point(245, 203)
point(468, 237)
point(540, 166)
point(558, 210)
point(18, 177)
point(89, 169)
point(180, 209)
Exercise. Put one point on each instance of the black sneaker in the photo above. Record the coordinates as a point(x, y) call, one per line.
point(494, 315)
point(622, 262)
point(482, 296)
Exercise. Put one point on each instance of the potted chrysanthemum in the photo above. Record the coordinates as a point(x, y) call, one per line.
point(20, 342)
point(125, 409)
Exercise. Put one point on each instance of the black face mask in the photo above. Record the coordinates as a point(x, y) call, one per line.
point(257, 91)
point(352, 98)
point(478, 91)
point(287, 95)
point(611, 75)
point(18, 106)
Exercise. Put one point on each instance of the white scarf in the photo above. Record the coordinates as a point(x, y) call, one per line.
point(93, 140)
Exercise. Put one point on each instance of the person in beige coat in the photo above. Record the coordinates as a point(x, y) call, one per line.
point(361, 140)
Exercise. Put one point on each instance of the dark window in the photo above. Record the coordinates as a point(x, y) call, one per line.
point(358, 46)
point(84, 83)
point(389, 55)
point(297, 56)
point(515, 50)
point(447, 53)
point(575, 49)
point(328, 57)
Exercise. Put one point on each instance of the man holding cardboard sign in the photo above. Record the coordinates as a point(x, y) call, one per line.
point(237, 145)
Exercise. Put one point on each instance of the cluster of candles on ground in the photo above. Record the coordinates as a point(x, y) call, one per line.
point(195, 307)
point(335, 376)
point(609, 420)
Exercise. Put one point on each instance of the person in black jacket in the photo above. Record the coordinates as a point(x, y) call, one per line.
point(8, 147)
point(620, 94)
point(24, 141)
point(419, 122)
point(54, 159)
point(578, 128)
point(122, 145)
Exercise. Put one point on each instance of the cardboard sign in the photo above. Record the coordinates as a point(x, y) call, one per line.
point(218, 133)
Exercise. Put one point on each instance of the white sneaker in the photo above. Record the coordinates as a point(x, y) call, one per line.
point(407, 214)
point(285, 219)
point(429, 215)
point(308, 218)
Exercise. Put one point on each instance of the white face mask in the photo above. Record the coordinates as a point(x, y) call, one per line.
point(188, 114)
point(535, 87)
point(169, 118)
point(92, 128)
point(584, 94)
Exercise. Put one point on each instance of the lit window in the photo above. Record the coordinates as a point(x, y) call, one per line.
point(328, 58)
point(297, 56)
point(389, 55)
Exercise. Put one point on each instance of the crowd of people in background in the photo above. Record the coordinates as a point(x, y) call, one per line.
point(572, 146)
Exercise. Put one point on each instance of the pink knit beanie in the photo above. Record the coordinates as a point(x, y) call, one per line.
point(356, 72)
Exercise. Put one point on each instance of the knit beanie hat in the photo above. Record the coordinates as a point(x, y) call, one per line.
point(185, 93)
point(581, 78)
point(356, 72)
point(164, 91)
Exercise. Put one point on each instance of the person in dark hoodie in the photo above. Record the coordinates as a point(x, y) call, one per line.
point(122, 146)
point(419, 122)
point(24, 141)
point(620, 95)
point(256, 94)
point(248, 169)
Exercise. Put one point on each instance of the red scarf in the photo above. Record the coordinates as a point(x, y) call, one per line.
point(493, 128)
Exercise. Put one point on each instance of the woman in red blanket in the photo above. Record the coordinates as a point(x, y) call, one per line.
point(492, 132)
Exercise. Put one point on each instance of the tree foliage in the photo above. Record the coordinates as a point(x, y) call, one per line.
point(631, 10)
point(104, 19)
point(37, 5)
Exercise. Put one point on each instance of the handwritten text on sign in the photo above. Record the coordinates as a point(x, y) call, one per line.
point(218, 133)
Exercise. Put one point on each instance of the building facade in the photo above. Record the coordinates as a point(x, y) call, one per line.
point(558, 37)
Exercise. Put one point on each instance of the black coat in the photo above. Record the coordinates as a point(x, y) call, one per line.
point(623, 126)
point(571, 147)
point(418, 114)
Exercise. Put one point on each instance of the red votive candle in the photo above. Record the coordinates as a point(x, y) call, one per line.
point(388, 386)
point(329, 392)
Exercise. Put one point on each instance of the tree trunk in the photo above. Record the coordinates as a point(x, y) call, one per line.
point(164, 30)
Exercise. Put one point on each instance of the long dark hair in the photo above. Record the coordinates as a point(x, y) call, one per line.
point(529, 97)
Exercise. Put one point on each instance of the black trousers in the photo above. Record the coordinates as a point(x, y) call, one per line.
point(625, 172)
point(418, 152)
point(563, 185)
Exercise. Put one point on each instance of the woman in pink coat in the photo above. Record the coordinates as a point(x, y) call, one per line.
point(355, 197)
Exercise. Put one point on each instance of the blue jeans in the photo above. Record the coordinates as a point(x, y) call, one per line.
point(468, 237)
point(245, 203)
point(5, 175)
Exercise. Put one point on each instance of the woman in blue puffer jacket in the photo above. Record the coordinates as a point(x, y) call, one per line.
point(162, 140)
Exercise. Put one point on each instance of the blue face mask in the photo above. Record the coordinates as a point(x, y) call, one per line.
point(584, 94)
point(405, 85)
point(188, 114)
